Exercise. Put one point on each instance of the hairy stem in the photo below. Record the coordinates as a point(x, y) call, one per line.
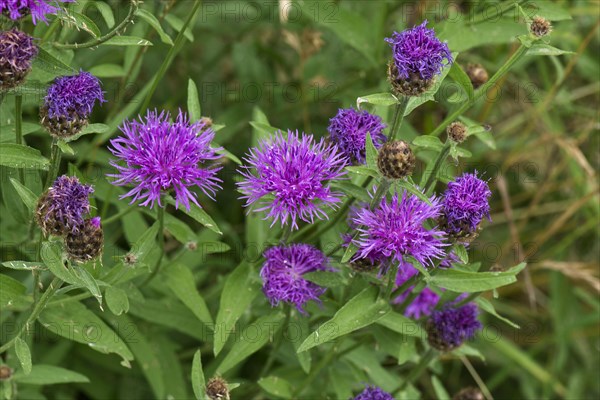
point(432, 178)
point(19, 129)
point(398, 116)
point(54, 163)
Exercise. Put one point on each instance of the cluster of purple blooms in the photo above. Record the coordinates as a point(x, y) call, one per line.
point(39, 9)
point(466, 203)
point(374, 393)
point(453, 326)
point(74, 95)
point(17, 50)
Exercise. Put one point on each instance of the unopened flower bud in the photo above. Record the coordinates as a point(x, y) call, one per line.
point(457, 132)
point(216, 389)
point(540, 27)
point(413, 86)
point(17, 50)
point(477, 74)
point(469, 393)
point(449, 328)
point(5, 372)
point(87, 242)
point(396, 160)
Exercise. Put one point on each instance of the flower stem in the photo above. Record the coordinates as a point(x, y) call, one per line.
point(391, 279)
point(398, 116)
point(418, 370)
point(37, 309)
point(118, 215)
point(54, 163)
point(278, 340)
point(19, 129)
point(161, 245)
point(432, 178)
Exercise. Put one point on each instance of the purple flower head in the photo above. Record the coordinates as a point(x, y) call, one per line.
point(67, 202)
point(374, 393)
point(395, 229)
point(419, 51)
point(424, 303)
point(38, 9)
point(453, 326)
point(288, 177)
point(348, 130)
point(282, 274)
point(17, 50)
point(96, 222)
point(158, 155)
point(466, 203)
point(73, 95)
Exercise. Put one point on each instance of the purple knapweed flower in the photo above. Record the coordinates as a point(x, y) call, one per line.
point(73, 96)
point(62, 208)
point(17, 50)
point(349, 128)
point(282, 274)
point(395, 229)
point(419, 51)
point(289, 176)
point(38, 9)
point(450, 327)
point(156, 155)
point(466, 203)
point(374, 393)
point(426, 300)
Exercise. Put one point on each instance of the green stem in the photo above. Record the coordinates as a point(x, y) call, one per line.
point(381, 192)
point(161, 245)
point(55, 24)
point(278, 340)
point(133, 6)
point(37, 309)
point(467, 299)
point(417, 371)
point(482, 90)
point(2, 97)
point(54, 163)
point(432, 178)
point(398, 116)
point(170, 56)
point(19, 129)
point(391, 280)
point(118, 215)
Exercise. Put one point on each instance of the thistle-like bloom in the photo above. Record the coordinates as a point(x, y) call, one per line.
point(39, 9)
point(288, 177)
point(348, 130)
point(424, 303)
point(17, 50)
point(156, 155)
point(466, 203)
point(73, 96)
point(447, 329)
point(374, 393)
point(61, 209)
point(419, 51)
point(395, 229)
point(282, 274)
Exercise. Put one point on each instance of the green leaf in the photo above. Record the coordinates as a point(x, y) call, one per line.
point(547, 9)
point(24, 265)
point(326, 278)
point(116, 300)
point(401, 324)
point(47, 62)
point(463, 37)
point(85, 327)
point(363, 170)
point(29, 199)
point(23, 354)
point(49, 375)
point(80, 22)
point(252, 339)
point(484, 134)
point(181, 281)
point(371, 152)
point(199, 215)
point(107, 71)
point(177, 24)
point(416, 101)
point(438, 388)
point(198, 381)
point(461, 253)
point(105, 11)
point(65, 148)
point(127, 41)
point(378, 99)
point(276, 386)
point(428, 142)
point(411, 187)
point(20, 156)
point(88, 281)
point(52, 256)
point(350, 251)
point(145, 243)
point(352, 190)
point(237, 294)
point(487, 306)
point(193, 103)
point(154, 23)
point(407, 349)
point(264, 130)
point(542, 49)
point(459, 76)
point(461, 281)
point(360, 311)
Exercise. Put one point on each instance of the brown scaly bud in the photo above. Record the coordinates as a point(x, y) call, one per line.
point(216, 389)
point(477, 74)
point(396, 160)
point(465, 235)
point(363, 265)
point(206, 122)
point(85, 243)
point(130, 259)
point(540, 27)
point(457, 132)
point(62, 127)
point(48, 220)
point(469, 393)
point(5, 372)
point(435, 340)
point(414, 86)
point(17, 50)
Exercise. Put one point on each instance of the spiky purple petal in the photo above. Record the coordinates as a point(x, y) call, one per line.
point(75, 94)
point(39, 9)
point(466, 202)
point(68, 201)
point(17, 50)
point(374, 393)
point(453, 326)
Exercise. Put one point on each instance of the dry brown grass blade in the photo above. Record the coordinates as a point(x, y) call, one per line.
point(581, 271)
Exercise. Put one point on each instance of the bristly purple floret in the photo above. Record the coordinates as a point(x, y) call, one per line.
point(419, 51)
point(288, 176)
point(67, 201)
point(374, 393)
point(283, 270)
point(466, 202)
point(156, 155)
point(38, 9)
point(395, 229)
point(453, 326)
point(426, 300)
point(349, 128)
point(17, 50)
point(75, 94)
